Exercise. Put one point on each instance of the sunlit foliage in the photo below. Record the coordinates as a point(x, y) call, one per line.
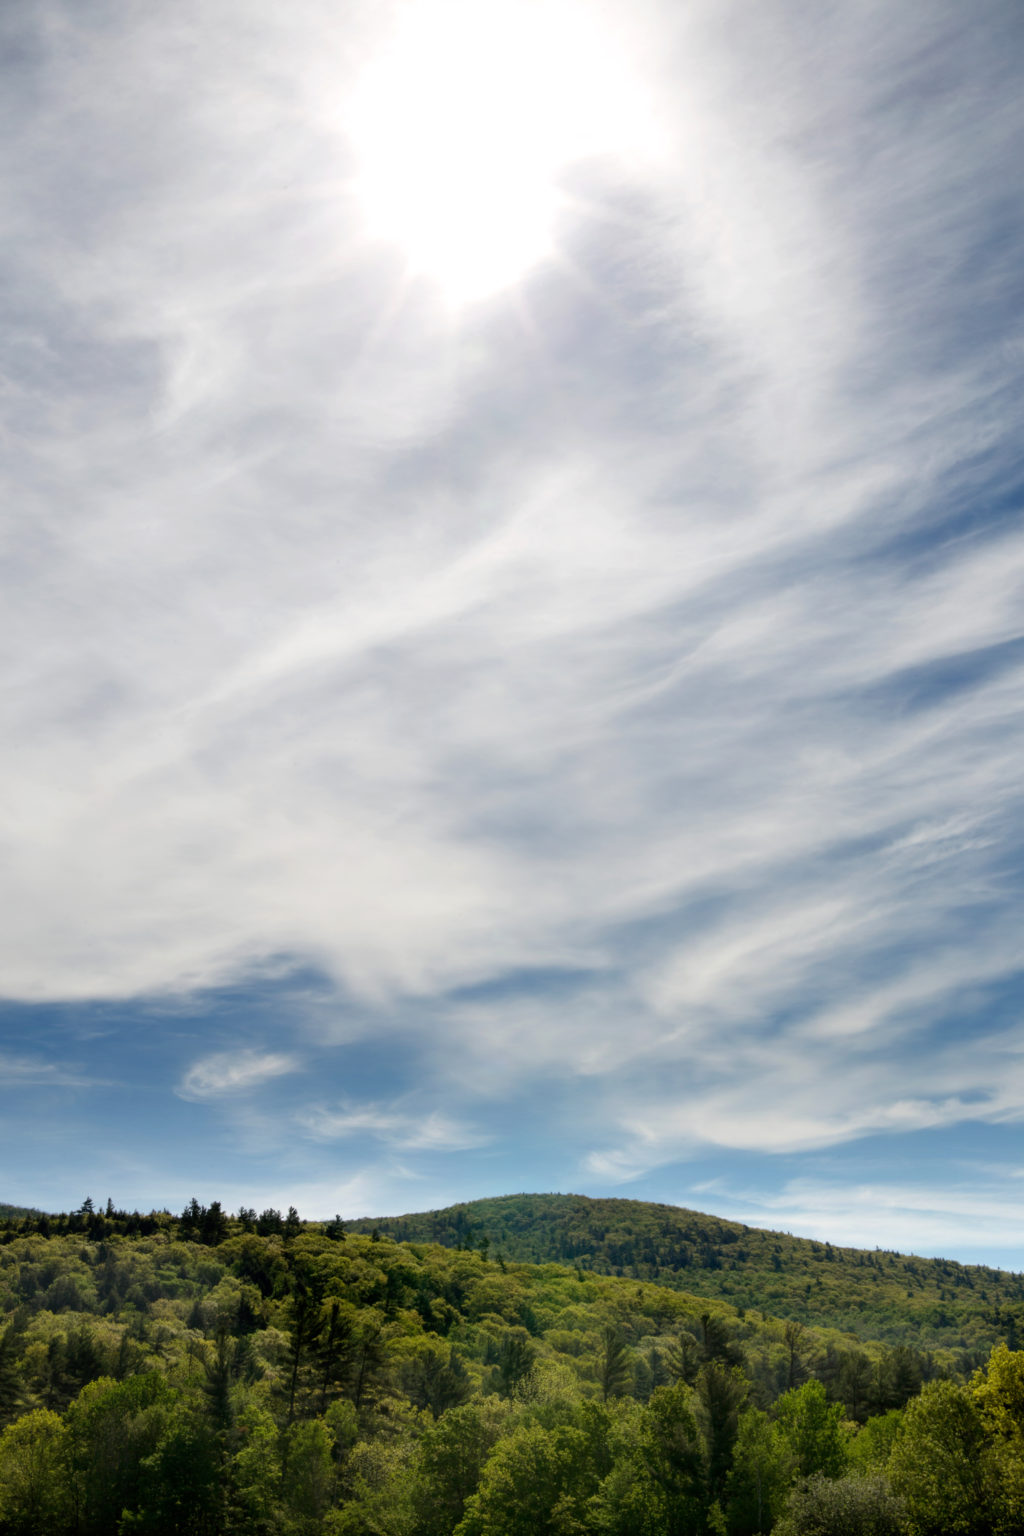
point(209, 1374)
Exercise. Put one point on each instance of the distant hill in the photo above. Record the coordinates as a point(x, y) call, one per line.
point(874, 1294)
point(158, 1370)
point(16, 1212)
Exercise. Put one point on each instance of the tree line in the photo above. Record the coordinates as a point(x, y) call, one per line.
point(874, 1293)
point(208, 1377)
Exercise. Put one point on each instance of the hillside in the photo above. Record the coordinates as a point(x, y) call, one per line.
point(16, 1212)
point(874, 1294)
point(217, 1375)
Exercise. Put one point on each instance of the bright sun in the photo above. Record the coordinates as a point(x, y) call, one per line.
point(463, 123)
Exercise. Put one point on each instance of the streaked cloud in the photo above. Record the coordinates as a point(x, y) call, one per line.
point(610, 690)
point(929, 1219)
point(18, 1072)
point(232, 1072)
point(433, 1132)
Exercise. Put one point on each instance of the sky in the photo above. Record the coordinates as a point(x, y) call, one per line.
point(513, 608)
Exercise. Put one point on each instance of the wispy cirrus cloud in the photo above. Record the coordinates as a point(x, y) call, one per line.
point(433, 1132)
point(226, 1073)
point(24, 1071)
point(971, 1214)
point(612, 690)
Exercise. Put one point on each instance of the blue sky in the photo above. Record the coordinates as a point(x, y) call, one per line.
point(513, 580)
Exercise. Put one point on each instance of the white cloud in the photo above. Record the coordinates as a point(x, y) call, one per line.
point(21, 1071)
point(573, 634)
point(790, 1095)
point(908, 1218)
point(234, 1072)
point(434, 1132)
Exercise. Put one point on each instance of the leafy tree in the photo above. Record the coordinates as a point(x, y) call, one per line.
point(674, 1459)
point(900, 1375)
point(811, 1427)
point(871, 1447)
point(309, 1480)
point(998, 1392)
point(631, 1499)
point(516, 1360)
point(536, 1480)
point(380, 1487)
point(12, 1386)
point(937, 1463)
point(452, 1457)
point(34, 1497)
point(258, 1263)
point(763, 1468)
point(845, 1506)
point(113, 1426)
point(254, 1474)
point(179, 1492)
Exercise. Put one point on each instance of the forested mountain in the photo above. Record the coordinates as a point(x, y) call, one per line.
point(207, 1374)
point(12, 1212)
point(874, 1294)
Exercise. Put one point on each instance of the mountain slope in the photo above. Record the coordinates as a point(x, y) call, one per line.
point(168, 1374)
point(16, 1212)
point(874, 1294)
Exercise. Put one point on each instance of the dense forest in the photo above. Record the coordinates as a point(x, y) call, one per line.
point(877, 1295)
point(209, 1374)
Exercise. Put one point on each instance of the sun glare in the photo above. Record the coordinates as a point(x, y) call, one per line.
point(463, 123)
